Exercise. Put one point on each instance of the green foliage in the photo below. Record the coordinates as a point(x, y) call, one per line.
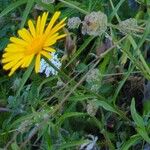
point(139, 123)
point(98, 95)
point(12, 7)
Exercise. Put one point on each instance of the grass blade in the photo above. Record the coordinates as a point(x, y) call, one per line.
point(133, 140)
point(26, 12)
point(12, 7)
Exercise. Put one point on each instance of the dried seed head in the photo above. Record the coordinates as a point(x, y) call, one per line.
point(73, 22)
point(48, 1)
point(39, 7)
point(94, 24)
point(93, 76)
point(128, 26)
point(91, 108)
point(93, 79)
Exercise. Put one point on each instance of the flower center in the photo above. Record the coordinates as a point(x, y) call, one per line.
point(35, 47)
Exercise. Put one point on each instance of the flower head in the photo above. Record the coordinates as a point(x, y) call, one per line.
point(48, 1)
point(128, 26)
point(73, 23)
point(35, 42)
point(94, 24)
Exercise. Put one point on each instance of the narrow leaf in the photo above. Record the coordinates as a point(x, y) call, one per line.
point(106, 106)
point(73, 144)
point(139, 122)
point(144, 134)
point(26, 12)
point(136, 117)
point(69, 115)
point(14, 146)
point(12, 7)
point(133, 140)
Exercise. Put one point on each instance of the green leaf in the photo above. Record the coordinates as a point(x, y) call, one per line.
point(145, 2)
point(144, 134)
point(79, 51)
point(14, 146)
point(133, 140)
point(103, 65)
point(17, 122)
point(81, 97)
point(26, 12)
point(146, 106)
point(71, 4)
point(72, 144)
point(116, 9)
point(132, 41)
point(126, 47)
point(136, 117)
point(68, 115)
point(105, 105)
point(138, 53)
point(12, 7)
point(139, 122)
point(48, 141)
point(121, 84)
point(44, 82)
point(48, 7)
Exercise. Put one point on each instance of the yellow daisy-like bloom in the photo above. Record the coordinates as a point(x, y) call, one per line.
point(35, 42)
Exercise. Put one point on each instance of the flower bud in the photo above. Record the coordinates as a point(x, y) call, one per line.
point(73, 22)
point(128, 26)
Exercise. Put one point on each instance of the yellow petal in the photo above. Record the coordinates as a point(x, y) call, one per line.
point(49, 49)
point(29, 60)
point(9, 65)
point(43, 22)
point(51, 40)
point(14, 50)
point(12, 55)
point(25, 35)
point(11, 73)
point(49, 43)
point(13, 45)
point(52, 22)
point(37, 63)
point(18, 41)
point(31, 28)
point(61, 36)
point(38, 25)
point(24, 62)
point(58, 27)
point(14, 68)
point(46, 54)
point(12, 58)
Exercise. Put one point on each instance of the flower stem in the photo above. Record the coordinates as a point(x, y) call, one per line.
point(25, 77)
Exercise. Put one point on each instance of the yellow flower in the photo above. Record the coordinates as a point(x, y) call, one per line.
point(35, 42)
